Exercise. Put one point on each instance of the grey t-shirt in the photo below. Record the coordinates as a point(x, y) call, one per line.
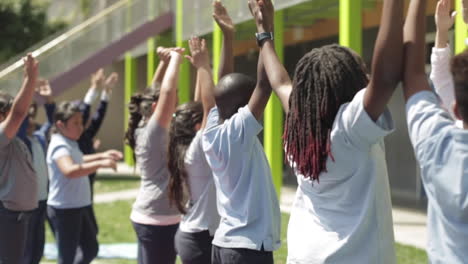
point(18, 180)
point(150, 153)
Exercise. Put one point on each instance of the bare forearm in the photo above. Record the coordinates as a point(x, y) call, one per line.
point(23, 99)
point(81, 170)
point(415, 43)
point(441, 40)
point(206, 87)
point(92, 157)
point(277, 75)
point(159, 73)
point(388, 54)
point(227, 55)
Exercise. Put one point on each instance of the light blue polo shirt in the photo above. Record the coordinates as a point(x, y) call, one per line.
point(247, 201)
point(442, 152)
point(66, 193)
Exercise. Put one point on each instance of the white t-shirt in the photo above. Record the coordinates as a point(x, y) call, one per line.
point(347, 217)
point(202, 213)
point(442, 151)
point(247, 201)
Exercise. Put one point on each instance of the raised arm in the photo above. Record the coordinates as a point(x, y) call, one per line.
point(168, 95)
point(224, 21)
point(45, 91)
point(200, 59)
point(20, 107)
point(162, 66)
point(441, 54)
point(97, 81)
point(387, 59)
point(278, 77)
point(415, 79)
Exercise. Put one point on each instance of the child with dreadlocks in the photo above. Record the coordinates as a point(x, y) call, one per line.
point(18, 180)
point(189, 171)
point(155, 221)
point(440, 147)
point(249, 230)
point(333, 139)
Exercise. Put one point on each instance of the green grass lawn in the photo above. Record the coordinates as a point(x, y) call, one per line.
point(105, 183)
point(115, 226)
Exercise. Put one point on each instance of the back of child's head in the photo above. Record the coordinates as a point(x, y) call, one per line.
point(6, 102)
point(460, 77)
point(233, 92)
point(140, 105)
point(181, 133)
point(325, 78)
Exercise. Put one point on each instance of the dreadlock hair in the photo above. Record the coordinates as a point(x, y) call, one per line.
point(140, 106)
point(181, 134)
point(459, 68)
point(6, 102)
point(325, 78)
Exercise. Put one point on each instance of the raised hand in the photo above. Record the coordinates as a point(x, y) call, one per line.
point(177, 53)
point(199, 53)
point(222, 18)
point(263, 13)
point(43, 89)
point(97, 79)
point(111, 81)
point(164, 54)
point(31, 67)
point(444, 19)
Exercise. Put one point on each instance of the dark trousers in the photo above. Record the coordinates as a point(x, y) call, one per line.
point(194, 248)
point(156, 243)
point(240, 256)
point(75, 234)
point(13, 235)
point(36, 235)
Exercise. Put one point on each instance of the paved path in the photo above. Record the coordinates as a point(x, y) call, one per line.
point(409, 225)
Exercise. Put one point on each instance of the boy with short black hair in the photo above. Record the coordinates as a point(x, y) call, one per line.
point(249, 230)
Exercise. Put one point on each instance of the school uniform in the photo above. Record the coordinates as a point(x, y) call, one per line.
point(68, 206)
point(442, 152)
point(249, 230)
point(346, 217)
point(18, 197)
point(154, 220)
point(196, 230)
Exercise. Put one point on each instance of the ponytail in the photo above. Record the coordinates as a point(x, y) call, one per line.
point(181, 134)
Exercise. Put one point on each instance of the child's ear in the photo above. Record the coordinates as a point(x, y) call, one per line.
point(60, 125)
point(456, 111)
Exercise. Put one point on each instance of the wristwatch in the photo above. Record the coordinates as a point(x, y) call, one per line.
point(261, 37)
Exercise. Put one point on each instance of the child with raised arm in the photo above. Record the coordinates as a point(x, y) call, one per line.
point(440, 58)
point(154, 219)
point(334, 140)
point(18, 180)
point(68, 206)
point(189, 171)
point(440, 147)
point(37, 138)
point(249, 230)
